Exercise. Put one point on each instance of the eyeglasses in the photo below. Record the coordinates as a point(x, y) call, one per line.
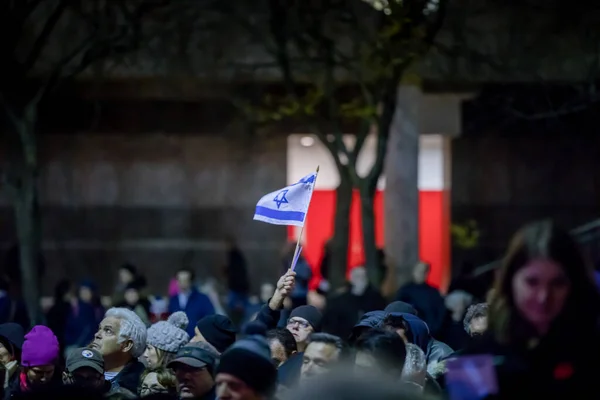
point(302, 324)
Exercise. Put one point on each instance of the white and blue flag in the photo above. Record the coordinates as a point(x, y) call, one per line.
point(287, 206)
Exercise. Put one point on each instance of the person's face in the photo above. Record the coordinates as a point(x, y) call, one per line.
point(540, 289)
point(400, 332)
point(192, 382)
point(231, 388)
point(420, 272)
point(266, 291)
point(197, 336)
point(40, 375)
point(300, 328)
point(5, 355)
point(317, 359)
point(125, 276)
point(132, 296)
point(85, 294)
point(184, 280)
point(358, 277)
point(84, 377)
point(151, 356)
point(478, 325)
point(277, 353)
point(106, 339)
point(150, 385)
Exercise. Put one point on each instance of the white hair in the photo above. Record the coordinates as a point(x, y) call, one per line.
point(415, 365)
point(131, 328)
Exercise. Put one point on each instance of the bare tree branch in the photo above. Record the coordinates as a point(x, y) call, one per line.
point(44, 35)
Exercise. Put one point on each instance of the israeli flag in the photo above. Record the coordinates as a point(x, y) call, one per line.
point(287, 206)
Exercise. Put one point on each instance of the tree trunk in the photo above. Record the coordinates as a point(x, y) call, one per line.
point(369, 242)
point(29, 246)
point(24, 191)
point(341, 237)
point(401, 200)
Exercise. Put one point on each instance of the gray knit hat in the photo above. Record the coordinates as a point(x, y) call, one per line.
point(169, 335)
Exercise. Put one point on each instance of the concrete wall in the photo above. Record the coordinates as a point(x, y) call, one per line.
point(160, 201)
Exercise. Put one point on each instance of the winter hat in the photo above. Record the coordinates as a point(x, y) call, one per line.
point(217, 330)
point(40, 347)
point(249, 360)
point(88, 283)
point(13, 334)
point(400, 306)
point(255, 328)
point(309, 313)
point(169, 335)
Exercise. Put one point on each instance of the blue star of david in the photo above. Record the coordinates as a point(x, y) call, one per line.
point(280, 198)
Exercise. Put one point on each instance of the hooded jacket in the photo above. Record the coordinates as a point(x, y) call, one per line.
point(434, 349)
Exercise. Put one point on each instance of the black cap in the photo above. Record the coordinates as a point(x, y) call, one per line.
point(84, 357)
point(194, 355)
point(217, 330)
point(400, 306)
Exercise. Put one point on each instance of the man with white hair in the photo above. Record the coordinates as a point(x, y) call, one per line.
point(121, 339)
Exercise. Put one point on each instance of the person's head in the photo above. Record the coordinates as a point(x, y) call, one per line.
point(127, 273)
point(380, 352)
point(397, 324)
point(246, 371)
point(218, 330)
point(86, 291)
point(323, 352)
point(401, 307)
point(358, 280)
point(12, 337)
point(282, 345)
point(266, 291)
point(120, 337)
point(62, 291)
point(84, 368)
point(457, 303)
point(157, 381)
point(421, 272)
point(185, 278)
point(164, 339)
point(40, 355)
point(415, 366)
point(303, 321)
point(132, 293)
point(543, 277)
point(476, 319)
point(194, 368)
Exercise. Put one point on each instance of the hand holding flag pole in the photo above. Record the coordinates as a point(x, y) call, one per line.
point(288, 206)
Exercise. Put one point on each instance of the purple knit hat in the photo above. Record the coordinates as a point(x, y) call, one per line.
point(40, 347)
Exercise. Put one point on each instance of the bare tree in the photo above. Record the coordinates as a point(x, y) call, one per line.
point(341, 62)
point(45, 43)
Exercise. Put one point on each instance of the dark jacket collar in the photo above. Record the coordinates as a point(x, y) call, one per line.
point(129, 377)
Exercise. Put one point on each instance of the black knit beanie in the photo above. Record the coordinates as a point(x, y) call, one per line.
point(218, 330)
point(400, 306)
point(249, 360)
point(309, 313)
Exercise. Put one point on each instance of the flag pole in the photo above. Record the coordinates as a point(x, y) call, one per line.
point(292, 266)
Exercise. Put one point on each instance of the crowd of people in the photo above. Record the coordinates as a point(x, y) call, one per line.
point(534, 335)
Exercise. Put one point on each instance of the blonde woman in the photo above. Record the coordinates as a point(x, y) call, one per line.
point(164, 339)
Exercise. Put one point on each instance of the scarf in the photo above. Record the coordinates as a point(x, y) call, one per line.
point(23, 382)
point(10, 369)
